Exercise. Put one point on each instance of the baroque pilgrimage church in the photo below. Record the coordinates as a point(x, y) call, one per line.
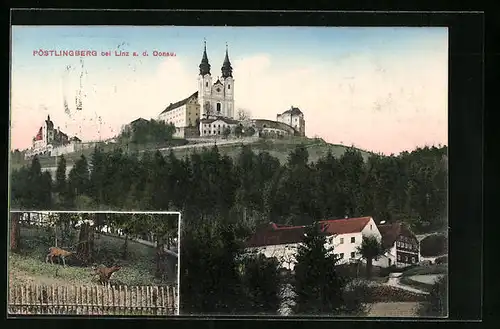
point(207, 112)
point(211, 109)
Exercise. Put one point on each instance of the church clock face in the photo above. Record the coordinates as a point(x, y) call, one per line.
point(218, 89)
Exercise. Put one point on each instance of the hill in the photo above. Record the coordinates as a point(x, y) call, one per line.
point(29, 267)
point(279, 148)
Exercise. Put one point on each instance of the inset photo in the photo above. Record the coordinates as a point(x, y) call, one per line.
point(93, 263)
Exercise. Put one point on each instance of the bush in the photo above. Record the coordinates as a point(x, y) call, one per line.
point(434, 245)
point(388, 294)
point(425, 270)
point(436, 303)
point(261, 278)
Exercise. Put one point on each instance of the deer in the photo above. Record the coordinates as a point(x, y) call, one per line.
point(105, 273)
point(57, 252)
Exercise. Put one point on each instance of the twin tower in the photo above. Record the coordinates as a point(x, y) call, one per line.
point(216, 99)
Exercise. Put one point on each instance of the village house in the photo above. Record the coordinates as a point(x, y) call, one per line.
point(344, 235)
point(403, 248)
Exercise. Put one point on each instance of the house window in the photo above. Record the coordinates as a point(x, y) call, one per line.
point(353, 239)
point(341, 240)
point(406, 259)
point(371, 227)
point(353, 254)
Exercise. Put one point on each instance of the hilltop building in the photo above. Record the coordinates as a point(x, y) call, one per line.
point(211, 109)
point(294, 118)
point(52, 141)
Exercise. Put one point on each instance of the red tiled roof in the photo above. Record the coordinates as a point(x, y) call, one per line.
point(275, 234)
point(345, 225)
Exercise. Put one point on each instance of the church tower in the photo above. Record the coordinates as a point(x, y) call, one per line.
point(228, 82)
point(205, 85)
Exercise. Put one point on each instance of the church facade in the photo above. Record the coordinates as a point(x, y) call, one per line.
point(213, 101)
point(210, 110)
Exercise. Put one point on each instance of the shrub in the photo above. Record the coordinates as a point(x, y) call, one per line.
point(436, 303)
point(434, 245)
point(385, 294)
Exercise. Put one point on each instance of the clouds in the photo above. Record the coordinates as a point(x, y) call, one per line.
point(384, 103)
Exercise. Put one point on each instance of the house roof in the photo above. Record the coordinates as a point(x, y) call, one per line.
point(138, 120)
point(293, 111)
point(390, 233)
point(175, 105)
point(345, 225)
point(275, 234)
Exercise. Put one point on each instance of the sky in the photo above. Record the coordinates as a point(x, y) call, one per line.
point(382, 89)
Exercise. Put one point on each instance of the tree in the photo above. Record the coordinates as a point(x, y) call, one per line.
point(226, 132)
point(15, 231)
point(79, 177)
point(436, 303)
point(85, 246)
point(243, 115)
point(318, 288)
point(238, 130)
point(209, 270)
point(261, 277)
point(249, 131)
point(370, 249)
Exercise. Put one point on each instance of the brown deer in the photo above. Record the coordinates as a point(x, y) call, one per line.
point(105, 273)
point(57, 252)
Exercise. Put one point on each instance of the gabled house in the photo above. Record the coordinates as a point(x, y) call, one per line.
point(344, 235)
point(403, 248)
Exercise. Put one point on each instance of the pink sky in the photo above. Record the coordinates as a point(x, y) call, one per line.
point(386, 105)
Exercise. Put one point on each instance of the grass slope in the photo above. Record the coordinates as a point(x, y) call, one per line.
point(29, 267)
point(279, 148)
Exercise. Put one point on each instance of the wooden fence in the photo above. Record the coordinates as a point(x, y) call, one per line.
point(93, 300)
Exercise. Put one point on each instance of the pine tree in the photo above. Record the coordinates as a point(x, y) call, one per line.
point(318, 288)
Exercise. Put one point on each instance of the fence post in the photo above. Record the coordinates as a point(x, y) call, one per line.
point(148, 300)
point(100, 300)
point(143, 302)
point(121, 305)
point(163, 300)
point(155, 300)
point(31, 300)
point(114, 299)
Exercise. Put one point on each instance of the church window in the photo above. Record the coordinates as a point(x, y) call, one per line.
point(218, 107)
point(228, 86)
point(206, 84)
